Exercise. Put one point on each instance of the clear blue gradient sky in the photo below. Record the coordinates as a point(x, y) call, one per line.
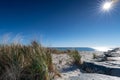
point(70, 23)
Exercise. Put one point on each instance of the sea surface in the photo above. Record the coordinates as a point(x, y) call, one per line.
point(74, 48)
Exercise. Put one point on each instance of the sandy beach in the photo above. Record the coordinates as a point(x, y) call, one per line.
point(70, 71)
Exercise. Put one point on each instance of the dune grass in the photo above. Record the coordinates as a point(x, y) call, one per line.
point(25, 62)
point(76, 57)
point(94, 56)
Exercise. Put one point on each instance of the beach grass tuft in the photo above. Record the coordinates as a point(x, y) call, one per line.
point(25, 62)
point(76, 57)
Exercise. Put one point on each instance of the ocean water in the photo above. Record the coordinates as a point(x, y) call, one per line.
point(74, 48)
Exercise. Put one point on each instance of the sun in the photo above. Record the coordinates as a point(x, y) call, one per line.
point(107, 6)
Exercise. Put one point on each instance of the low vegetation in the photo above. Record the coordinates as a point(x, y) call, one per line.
point(76, 57)
point(26, 62)
point(94, 56)
point(57, 51)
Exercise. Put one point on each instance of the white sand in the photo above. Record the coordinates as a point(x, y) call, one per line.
point(72, 72)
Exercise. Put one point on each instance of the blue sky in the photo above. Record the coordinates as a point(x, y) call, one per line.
point(70, 23)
